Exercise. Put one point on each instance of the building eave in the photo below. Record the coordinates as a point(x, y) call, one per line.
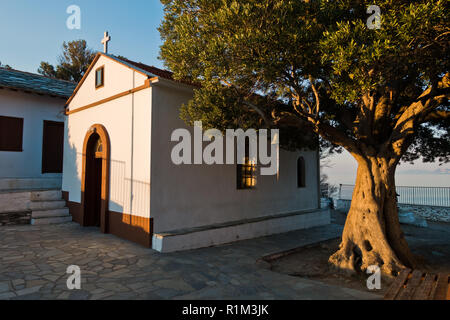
point(31, 91)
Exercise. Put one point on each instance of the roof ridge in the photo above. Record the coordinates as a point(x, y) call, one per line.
point(148, 65)
point(159, 72)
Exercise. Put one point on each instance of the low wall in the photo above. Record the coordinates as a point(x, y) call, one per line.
point(7, 184)
point(15, 201)
point(342, 205)
point(15, 218)
point(430, 213)
point(240, 230)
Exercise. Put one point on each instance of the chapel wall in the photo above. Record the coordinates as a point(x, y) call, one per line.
point(127, 122)
point(188, 196)
point(117, 77)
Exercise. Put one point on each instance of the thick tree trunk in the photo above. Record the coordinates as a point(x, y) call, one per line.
point(372, 233)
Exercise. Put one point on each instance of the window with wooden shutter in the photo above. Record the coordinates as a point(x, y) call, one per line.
point(11, 134)
point(52, 147)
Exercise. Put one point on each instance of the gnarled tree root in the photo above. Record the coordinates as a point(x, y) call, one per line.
point(358, 256)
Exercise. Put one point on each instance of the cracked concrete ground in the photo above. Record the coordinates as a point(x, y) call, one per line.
point(34, 260)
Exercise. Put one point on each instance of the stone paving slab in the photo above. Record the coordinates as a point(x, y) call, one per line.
point(34, 259)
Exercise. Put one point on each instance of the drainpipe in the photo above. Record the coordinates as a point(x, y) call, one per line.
point(132, 149)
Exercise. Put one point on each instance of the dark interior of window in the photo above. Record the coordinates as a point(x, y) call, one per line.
point(11, 134)
point(301, 172)
point(52, 147)
point(99, 77)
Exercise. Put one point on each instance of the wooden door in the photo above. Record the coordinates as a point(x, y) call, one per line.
point(93, 183)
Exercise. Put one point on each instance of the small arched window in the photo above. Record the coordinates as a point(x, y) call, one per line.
point(246, 173)
point(301, 172)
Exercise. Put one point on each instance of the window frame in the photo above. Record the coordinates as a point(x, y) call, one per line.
point(18, 148)
point(102, 69)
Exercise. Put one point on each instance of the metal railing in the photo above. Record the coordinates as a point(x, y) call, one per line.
point(423, 196)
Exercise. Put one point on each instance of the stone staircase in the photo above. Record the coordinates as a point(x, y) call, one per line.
point(48, 207)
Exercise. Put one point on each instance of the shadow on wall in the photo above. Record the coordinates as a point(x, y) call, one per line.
point(126, 196)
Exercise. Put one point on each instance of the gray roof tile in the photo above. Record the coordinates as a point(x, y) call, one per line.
point(20, 80)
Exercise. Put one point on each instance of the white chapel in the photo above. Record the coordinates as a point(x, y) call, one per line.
point(117, 171)
point(118, 174)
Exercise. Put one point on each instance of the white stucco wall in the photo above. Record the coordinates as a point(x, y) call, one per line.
point(28, 163)
point(127, 120)
point(189, 196)
point(145, 182)
point(117, 78)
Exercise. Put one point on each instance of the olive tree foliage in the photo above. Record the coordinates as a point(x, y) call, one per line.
point(315, 66)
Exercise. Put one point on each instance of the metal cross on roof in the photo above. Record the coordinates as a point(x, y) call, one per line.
point(105, 41)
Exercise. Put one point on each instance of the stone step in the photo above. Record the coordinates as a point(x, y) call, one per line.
point(47, 205)
point(63, 212)
point(48, 195)
point(44, 221)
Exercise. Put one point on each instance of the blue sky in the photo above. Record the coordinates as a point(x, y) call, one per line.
point(33, 31)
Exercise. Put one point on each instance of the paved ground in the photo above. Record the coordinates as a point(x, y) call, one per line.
point(34, 259)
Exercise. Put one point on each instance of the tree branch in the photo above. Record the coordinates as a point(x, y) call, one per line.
point(415, 114)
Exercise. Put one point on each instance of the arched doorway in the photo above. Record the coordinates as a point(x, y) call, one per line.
point(95, 178)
